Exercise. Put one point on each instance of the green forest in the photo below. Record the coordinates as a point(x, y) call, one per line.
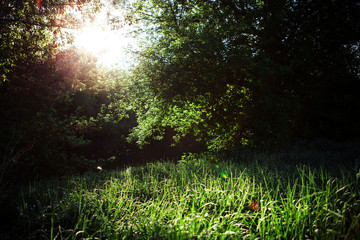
point(234, 94)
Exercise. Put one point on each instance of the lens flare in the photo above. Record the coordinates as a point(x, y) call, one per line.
point(101, 30)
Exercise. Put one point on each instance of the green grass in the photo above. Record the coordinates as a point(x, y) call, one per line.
point(190, 200)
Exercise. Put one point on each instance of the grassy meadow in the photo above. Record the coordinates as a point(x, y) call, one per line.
point(299, 193)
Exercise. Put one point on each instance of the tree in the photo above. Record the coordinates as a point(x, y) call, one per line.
point(311, 48)
point(326, 66)
point(231, 72)
point(36, 84)
point(195, 77)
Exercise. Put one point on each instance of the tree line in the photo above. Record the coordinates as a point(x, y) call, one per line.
point(249, 72)
point(228, 73)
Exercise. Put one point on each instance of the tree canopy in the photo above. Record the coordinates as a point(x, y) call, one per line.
point(227, 72)
point(38, 80)
point(238, 72)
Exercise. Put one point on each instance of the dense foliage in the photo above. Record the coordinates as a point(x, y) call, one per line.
point(229, 73)
point(238, 72)
point(50, 95)
point(226, 73)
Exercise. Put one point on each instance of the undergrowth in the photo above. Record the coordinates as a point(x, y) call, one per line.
point(192, 200)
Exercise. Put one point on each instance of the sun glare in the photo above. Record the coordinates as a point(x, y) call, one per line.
point(110, 46)
point(109, 42)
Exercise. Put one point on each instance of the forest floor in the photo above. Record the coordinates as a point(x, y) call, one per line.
point(310, 191)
